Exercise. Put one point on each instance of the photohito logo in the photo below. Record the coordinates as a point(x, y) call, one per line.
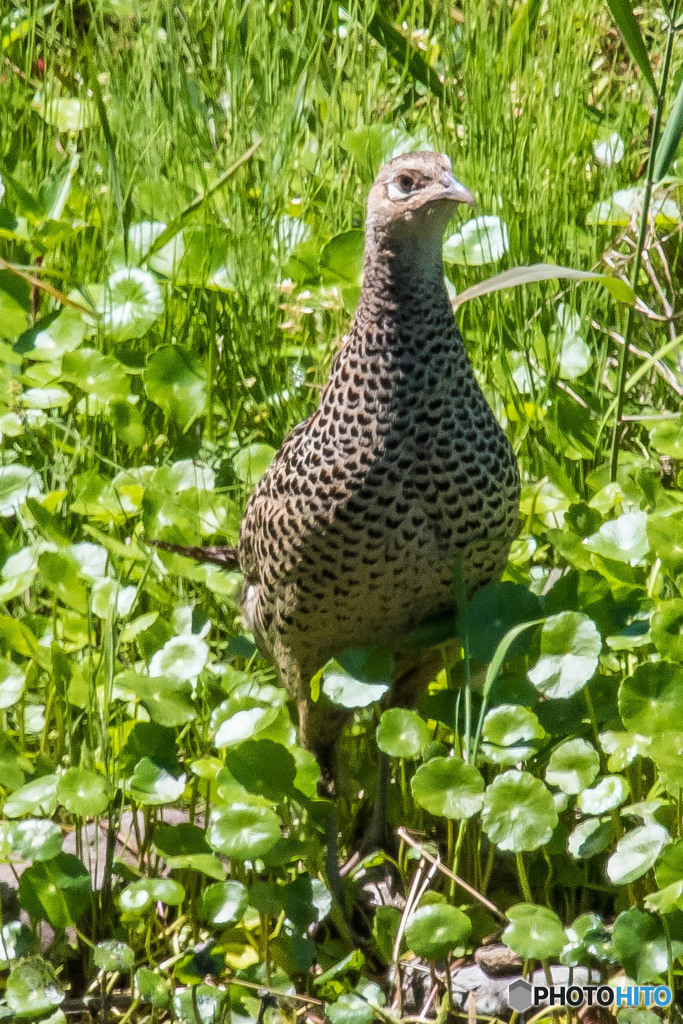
point(523, 996)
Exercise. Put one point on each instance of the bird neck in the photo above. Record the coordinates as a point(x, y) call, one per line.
point(403, 274)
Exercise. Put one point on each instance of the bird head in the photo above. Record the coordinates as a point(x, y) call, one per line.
point(415, 195)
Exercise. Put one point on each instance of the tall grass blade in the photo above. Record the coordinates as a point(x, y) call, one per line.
point(492, 673)
point(617, 288)
point(671, 136)
point(178, 222)
point(381, 29)
point(622, 12)
point(521, 31)
point(111, 149)
point(660, 94)
point(59, 195)
point(44, 286)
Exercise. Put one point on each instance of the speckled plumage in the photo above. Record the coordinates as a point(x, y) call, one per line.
point(350, 537)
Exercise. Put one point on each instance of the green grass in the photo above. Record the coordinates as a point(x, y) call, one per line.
point(175, 93)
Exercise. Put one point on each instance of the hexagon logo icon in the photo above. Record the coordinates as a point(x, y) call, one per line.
point(519, 995)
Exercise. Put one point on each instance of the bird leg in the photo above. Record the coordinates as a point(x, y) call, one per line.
point(414, 673)
point(319, 728)
point(376, 833)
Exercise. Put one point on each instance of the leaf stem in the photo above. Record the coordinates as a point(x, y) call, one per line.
point(523, 878)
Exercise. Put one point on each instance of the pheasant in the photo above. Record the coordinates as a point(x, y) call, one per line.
point(351, 536)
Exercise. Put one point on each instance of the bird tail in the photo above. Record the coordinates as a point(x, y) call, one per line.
point(225, 556)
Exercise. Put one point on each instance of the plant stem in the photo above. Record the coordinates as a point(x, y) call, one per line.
point(670, 977)
point(635, 271)
point(523, 879)
point(211, 368)
point(460, 591)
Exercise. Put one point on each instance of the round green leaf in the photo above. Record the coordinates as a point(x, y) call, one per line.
point(63, 334)
point(38, 797)
point(60, 573)
point(195, 255)
point(263, 767)
point(570, 648)
point(519, 812)
point(251, 462)
point(640, 943)
point(45, 398)
point(142, 235)
point(35, 839)
point(582, 934)
point(17, 483)
point(511, 733)
point(12, 683)
point(133, 302)
point(651, 699)
point(666, 750)
point(181, 658)
point(667, 629)
point(14, 305)
point(573, 765)
point(402, 733)
point(623, 539)
point(435, 930)
point(153, 988)
point(180, 839)
point(177, 383)
point(492, 612)
point(341, 977)
point(33, 988)
point(140, 895)
point(83, 792)
point(670, 866)
point(372, 145)
point(112, 955)
point(16, 940)
point(243, 831)
point(57, 890)
point(665, 534)
point(480, 240)
point(341, 260)
point(96, 374)
point(18, 572)
point(566, 340)
point(626, 203)
point(199, 1004)
point(243, 724)
point(305, 901)
point(348, 690)
point(590, 837)
point(610, 792)
point(534, 933)
point(128, 423)
point(448, 787)
point(184, 846)
point(667, 438)
point(350, 1008)
point(153, 785)
point(666, 900)
point(167, 700)
point(223, 903)
point(636, 853)
point(65, 113)
point(622, 748)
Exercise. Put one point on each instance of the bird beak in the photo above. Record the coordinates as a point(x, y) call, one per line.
point(454, 189)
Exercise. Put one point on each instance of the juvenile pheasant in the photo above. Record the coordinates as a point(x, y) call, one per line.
point(351, 536)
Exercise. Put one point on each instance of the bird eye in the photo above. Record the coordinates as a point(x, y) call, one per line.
point(405, 182)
